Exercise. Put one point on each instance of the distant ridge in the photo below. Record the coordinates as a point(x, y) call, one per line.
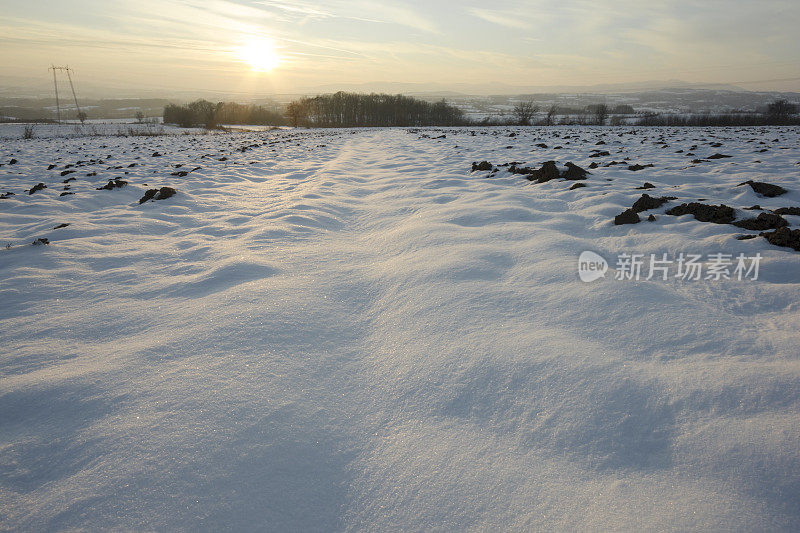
point(485, 89)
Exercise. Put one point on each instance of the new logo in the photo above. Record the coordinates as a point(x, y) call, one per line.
point(591, 266)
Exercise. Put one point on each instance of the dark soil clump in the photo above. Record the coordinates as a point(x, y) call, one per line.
point(717, 214)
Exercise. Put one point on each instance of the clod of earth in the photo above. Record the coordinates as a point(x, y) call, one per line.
point(514, 169)
point(37, 187)
point(40, 241)
point(787, 211)
point(157, 194)
point(651, 218)
point(786, 237)
point(719, 156)
point(577, 186)
point(636, 168)
point(483, 165)
point(149, 194)
point(64, 225)
point(745, 237)
point(6, 195)
point(629, 216)
point(647, 185)
point(164, 193)
point(717, 214)
point(765, 189)
point(763, 221)
point(574, 172)
point(646, 202)
point(549, 171)
point(65, 172)
point(113, 184)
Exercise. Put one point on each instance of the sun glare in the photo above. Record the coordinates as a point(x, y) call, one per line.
point(260, 54)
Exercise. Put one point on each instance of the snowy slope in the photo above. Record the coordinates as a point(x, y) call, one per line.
point(336, 329)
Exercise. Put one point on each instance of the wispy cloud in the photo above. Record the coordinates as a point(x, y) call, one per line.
point(509, 20)
point(359, 10)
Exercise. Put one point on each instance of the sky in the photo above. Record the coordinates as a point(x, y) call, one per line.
point(185, 45)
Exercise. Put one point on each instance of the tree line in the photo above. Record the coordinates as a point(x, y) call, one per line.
point(325, 111)
point(778, 113)
point(362, 110)
point(525, 111)
point(384, 110)
point(206, 114)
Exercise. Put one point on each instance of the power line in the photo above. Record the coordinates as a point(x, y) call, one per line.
point(55, 85)
point(71, 86)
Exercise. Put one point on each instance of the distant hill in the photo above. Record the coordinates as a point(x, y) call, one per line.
point(485, 89)
point(29, 108)
point(680, 98)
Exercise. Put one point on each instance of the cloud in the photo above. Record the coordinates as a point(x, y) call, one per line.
point(509, 20)
point(358, 10)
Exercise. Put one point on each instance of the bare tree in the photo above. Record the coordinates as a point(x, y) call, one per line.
point(551, 113)
point(205, 112)
point(600, 113)
point(296, 113)
point(524, 112)
point(781, 109)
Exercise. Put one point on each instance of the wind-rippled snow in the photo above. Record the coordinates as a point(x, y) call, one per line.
point(336, 330)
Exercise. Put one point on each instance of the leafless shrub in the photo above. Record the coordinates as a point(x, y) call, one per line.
point(524, 112)
point(144, 130)
point(600, 112)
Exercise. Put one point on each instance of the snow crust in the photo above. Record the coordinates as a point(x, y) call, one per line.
point(349, 329)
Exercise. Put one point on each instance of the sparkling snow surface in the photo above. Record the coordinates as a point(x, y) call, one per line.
point(341, 329)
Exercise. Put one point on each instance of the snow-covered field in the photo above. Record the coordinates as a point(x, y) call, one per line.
point(350, 329)
point(109, 127)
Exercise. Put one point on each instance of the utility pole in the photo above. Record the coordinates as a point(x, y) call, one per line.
point(69, 77)
point(55, 85)
point(71, 86)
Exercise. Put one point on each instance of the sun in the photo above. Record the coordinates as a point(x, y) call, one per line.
point(260, 54)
